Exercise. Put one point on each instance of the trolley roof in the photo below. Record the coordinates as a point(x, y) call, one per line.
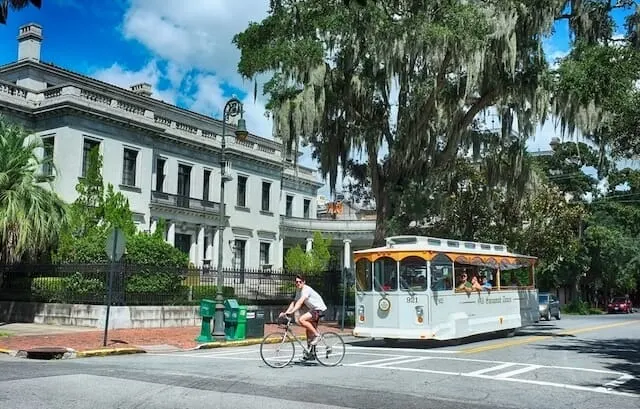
point(442, 245)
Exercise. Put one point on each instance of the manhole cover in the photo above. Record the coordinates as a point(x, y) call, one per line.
point(47, 352)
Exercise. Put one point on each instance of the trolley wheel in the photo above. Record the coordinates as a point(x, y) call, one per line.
point(277, 349)
point(330, 350)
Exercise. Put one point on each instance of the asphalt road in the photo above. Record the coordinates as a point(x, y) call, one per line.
point(578, 362)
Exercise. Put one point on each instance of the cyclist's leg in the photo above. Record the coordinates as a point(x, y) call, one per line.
point(309, 321)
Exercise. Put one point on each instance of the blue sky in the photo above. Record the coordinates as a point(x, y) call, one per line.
point(183, 49)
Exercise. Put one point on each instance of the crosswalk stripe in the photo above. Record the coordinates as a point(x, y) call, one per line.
point(528, 368)
point(493, 368)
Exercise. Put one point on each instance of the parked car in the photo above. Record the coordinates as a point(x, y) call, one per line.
point(549, 306)
point(620, 304)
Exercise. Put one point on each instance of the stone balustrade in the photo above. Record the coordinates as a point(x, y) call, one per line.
point(104, 102)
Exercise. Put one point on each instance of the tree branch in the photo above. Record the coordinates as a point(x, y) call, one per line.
point(453, 138)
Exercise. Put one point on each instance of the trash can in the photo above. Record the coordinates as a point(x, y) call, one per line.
point(231, 308)
point(255, 322)
point(207, 310)
point(241, 327)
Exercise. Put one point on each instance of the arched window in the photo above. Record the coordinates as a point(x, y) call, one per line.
point(363, 275)
point(413, 274)
point(441, 273)
point(385, 274)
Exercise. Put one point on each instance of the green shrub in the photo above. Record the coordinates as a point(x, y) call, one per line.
point(580, 308)
point(47, 289)
point(209, 292)
point(154, 282)
point(287, 288)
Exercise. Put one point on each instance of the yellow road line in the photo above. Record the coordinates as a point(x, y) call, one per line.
point(529, 340)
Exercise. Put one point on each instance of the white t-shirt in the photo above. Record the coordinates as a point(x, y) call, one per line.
point(314, 300)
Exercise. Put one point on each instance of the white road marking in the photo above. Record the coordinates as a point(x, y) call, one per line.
point(429, 351)
point(599, 389)
point(528, 368)
point(620, 381)
point(406, 361)
point(378, 361)
point(493, 368)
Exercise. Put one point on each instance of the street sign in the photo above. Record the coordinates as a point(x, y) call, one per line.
point(115, 244)
point(115, 249)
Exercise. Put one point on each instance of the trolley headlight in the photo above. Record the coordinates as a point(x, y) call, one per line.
point(420, 314)
point(361, 313)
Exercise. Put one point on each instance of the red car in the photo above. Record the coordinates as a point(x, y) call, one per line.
point(620, 304)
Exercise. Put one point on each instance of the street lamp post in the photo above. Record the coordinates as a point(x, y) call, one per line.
point(232, 108)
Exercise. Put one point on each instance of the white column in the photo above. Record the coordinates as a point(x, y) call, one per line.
point(309, 244)
point(154, 225)
point(208, 252)
point(347, 253)
point(201, 250)
point(193, 248)
point(214, 252)
point(280, 262)
point(171, 234)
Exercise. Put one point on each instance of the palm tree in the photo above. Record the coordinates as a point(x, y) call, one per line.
point(31, 214)
point(15, 5)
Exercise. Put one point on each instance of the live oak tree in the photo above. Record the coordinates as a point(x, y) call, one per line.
point(403, 81)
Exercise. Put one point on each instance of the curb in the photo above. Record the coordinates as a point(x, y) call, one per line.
point(105, 352)
point(7, 351)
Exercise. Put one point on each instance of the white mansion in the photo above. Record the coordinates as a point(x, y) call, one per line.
point(165, 160)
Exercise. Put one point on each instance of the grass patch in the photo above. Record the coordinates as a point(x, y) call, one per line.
point(4, 334)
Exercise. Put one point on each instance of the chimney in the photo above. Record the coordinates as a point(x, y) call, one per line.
point(142, 89)
point(29, 41)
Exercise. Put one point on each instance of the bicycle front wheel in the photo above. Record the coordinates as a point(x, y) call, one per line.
point(277, 349)
point(330, 350)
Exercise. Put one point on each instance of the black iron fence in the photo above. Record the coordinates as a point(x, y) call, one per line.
point(153, 285)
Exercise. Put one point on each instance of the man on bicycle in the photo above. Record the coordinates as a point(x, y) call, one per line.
point(310, 298)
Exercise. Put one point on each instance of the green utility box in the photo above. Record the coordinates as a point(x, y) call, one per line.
point(241, 329)
point(235, 320)
point(207, 310)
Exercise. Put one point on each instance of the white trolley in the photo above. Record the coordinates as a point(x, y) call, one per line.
point(424, 288)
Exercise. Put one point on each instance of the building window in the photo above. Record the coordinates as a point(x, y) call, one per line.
point(239, 250)
point(183, 242)
point(242, 191)
point(289, 209)
point(184, 185)
point(129, 167)
point(264, 253)
point(160, 174)
point(307, 206)
point(205, 185)
point(89, 146)
point(266, 193)
point(47, 156)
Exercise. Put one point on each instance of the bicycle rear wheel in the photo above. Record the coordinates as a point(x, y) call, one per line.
point(330, 350)
point(277, 349)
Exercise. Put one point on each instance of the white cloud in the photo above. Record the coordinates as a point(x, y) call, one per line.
point(194, 34)
point(150, 73)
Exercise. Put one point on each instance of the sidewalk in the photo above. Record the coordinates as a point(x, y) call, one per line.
point(84, 341)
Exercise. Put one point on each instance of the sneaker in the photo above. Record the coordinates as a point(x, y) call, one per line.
point(308, 357)
point(315, 340)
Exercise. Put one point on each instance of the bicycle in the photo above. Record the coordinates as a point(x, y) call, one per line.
point(323, 351)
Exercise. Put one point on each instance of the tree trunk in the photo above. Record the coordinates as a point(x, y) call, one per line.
point(382, 201)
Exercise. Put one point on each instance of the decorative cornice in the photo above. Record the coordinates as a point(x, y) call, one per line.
point(242, 231)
